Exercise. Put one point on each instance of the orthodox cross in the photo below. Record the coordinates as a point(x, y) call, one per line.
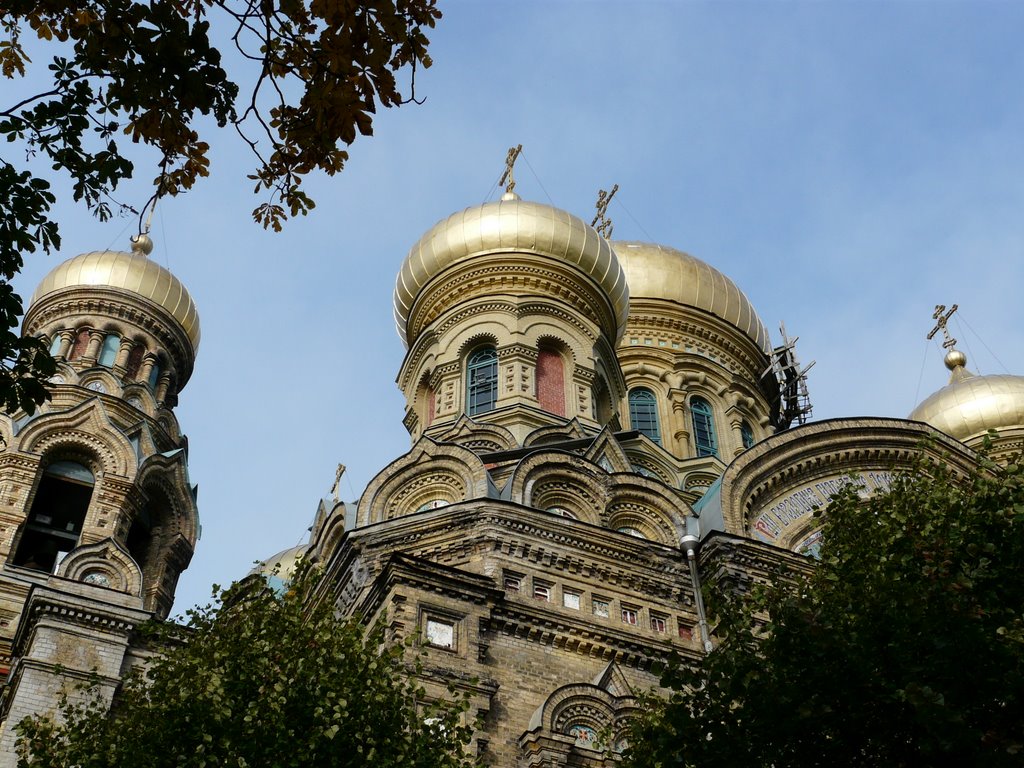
point(940, 325)
point(336, 490)
point(510, 161)
point(601, 220)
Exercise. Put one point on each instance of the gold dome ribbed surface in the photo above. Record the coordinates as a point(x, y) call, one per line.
point(128, 272)
point(659, 272)
point(509, 225)
point(971, 405)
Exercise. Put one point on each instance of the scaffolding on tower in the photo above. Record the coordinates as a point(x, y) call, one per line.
point(794, 401)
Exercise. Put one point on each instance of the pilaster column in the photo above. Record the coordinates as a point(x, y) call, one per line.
point(735, 427)
point(679, 426)
point(92, 352)
point(147, 367)
point(120, 366)
point(163, 384)
point(67, 338)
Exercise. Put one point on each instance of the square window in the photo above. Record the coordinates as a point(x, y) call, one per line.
point(684, 631)
point(630, 615)
point(658, 623)
point(541, 591)
point(571, 599)
point(441, 634)
point(601, 607)
point(513, 582)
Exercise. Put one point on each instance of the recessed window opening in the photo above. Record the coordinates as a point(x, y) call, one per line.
point(643, 413)
point(482, 381)
point(108, 352)
point(550, 381)
point(703, 427)
point(55, 521)
point(746, 435)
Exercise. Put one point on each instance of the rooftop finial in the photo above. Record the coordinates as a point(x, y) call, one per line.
point(940, 325)
point(142, 243)
point(601, 221)
point(955, 360)
point(507, 178)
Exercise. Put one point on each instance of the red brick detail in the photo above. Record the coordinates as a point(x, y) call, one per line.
point(551, 382)
point(80, 345)
point(134, 361)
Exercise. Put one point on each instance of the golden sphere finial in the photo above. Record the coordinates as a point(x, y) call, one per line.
point(955, 359)
point(143, 244)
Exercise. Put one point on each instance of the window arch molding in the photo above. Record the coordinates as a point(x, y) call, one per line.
point(481, 379)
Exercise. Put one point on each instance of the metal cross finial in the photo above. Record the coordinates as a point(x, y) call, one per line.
point(336, 489)
point(510, 161)
point(940, 325)
point(601, 221)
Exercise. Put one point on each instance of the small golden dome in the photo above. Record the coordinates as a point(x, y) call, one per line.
point(128, 272)
point(970, 405)
point(509, 225)
point(659, 272)
point(280, 568)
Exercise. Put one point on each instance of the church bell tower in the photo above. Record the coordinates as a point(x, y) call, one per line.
point(98, 516)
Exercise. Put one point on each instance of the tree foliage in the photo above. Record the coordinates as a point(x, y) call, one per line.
point(904, 648)
point(265, 680)
point(127, 72)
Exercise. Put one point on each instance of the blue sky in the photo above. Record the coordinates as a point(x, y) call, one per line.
point(849, 165)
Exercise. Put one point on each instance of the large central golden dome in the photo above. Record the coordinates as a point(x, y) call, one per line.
point(131, 272)
point(659, 272)
point(509, 225)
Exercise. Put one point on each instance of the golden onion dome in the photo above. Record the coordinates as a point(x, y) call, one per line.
point(509, 225)
point(279, 569)
point(970, 405)
point(132, 272)
point(659, 272)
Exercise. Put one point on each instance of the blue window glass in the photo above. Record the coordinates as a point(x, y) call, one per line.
point(108, 352)
point(55, 345)
point(747, 435)
point(482, 381)
point(703, 427)
point(154, 376)
point(643, 413)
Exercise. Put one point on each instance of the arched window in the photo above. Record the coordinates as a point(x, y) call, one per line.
point(551, 381)
point(108, 352)
point(481, 381)
point(643, 413)
point(703, 427)
point(55, 520)
point(55, 344)
point(746, 435)
point(154, 375)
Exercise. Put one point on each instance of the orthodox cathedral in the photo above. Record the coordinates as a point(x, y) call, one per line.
point(598, 428)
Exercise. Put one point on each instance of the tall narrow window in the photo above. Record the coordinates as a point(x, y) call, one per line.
point(643, 413)
point(551, 381)
point(703, 427)
point(482, 381)
point(55, 520)
point(746, 435)
point(108, 352)
point(55, 344)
